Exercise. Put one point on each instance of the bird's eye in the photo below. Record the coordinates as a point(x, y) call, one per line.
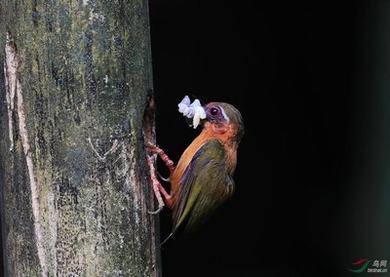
point(214, 111)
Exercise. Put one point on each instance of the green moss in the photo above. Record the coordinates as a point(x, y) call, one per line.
point(85, 74)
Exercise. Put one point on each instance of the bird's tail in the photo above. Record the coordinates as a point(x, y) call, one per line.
point(167, 238)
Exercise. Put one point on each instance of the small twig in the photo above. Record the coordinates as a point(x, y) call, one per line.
point(113, 148)
point(94, 150)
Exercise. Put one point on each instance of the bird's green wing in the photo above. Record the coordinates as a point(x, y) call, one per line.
point(204, 185)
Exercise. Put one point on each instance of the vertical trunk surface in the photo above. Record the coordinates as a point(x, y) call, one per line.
point(75, 87)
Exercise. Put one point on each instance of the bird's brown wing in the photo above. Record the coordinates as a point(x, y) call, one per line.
point(204, 185)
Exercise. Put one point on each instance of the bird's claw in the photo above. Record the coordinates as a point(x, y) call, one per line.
point(167, 180)
point(156, 211)
point(152, 148)
point(149, 145)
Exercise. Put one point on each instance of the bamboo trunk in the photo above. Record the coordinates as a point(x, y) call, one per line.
point(76, 108)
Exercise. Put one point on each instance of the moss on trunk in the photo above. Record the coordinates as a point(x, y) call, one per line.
point(84, 72)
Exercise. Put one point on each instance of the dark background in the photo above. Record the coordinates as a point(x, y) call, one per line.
point(312, 83)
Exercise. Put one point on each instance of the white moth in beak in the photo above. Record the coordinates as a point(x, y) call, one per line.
point(194, 110)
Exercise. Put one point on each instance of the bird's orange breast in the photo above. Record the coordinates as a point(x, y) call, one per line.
point(183, 163)
point(206, 134)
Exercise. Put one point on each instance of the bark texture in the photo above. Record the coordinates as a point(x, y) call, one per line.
point(76, 105)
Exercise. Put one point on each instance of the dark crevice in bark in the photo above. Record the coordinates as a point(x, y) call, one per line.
point(148, 124)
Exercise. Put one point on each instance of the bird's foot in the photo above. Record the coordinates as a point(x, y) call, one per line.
point(158, 189)
point(154, 149)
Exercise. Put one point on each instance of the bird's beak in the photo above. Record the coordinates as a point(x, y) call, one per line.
point(190, 122)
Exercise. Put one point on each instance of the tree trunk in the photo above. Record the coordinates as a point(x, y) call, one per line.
point(76, 108)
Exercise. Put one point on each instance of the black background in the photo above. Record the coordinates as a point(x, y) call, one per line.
point(309, 177)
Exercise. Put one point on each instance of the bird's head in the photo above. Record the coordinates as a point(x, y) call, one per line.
point(224, 118)
point(218, 118)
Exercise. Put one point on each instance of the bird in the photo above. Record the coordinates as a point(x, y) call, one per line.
point(202, 180)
